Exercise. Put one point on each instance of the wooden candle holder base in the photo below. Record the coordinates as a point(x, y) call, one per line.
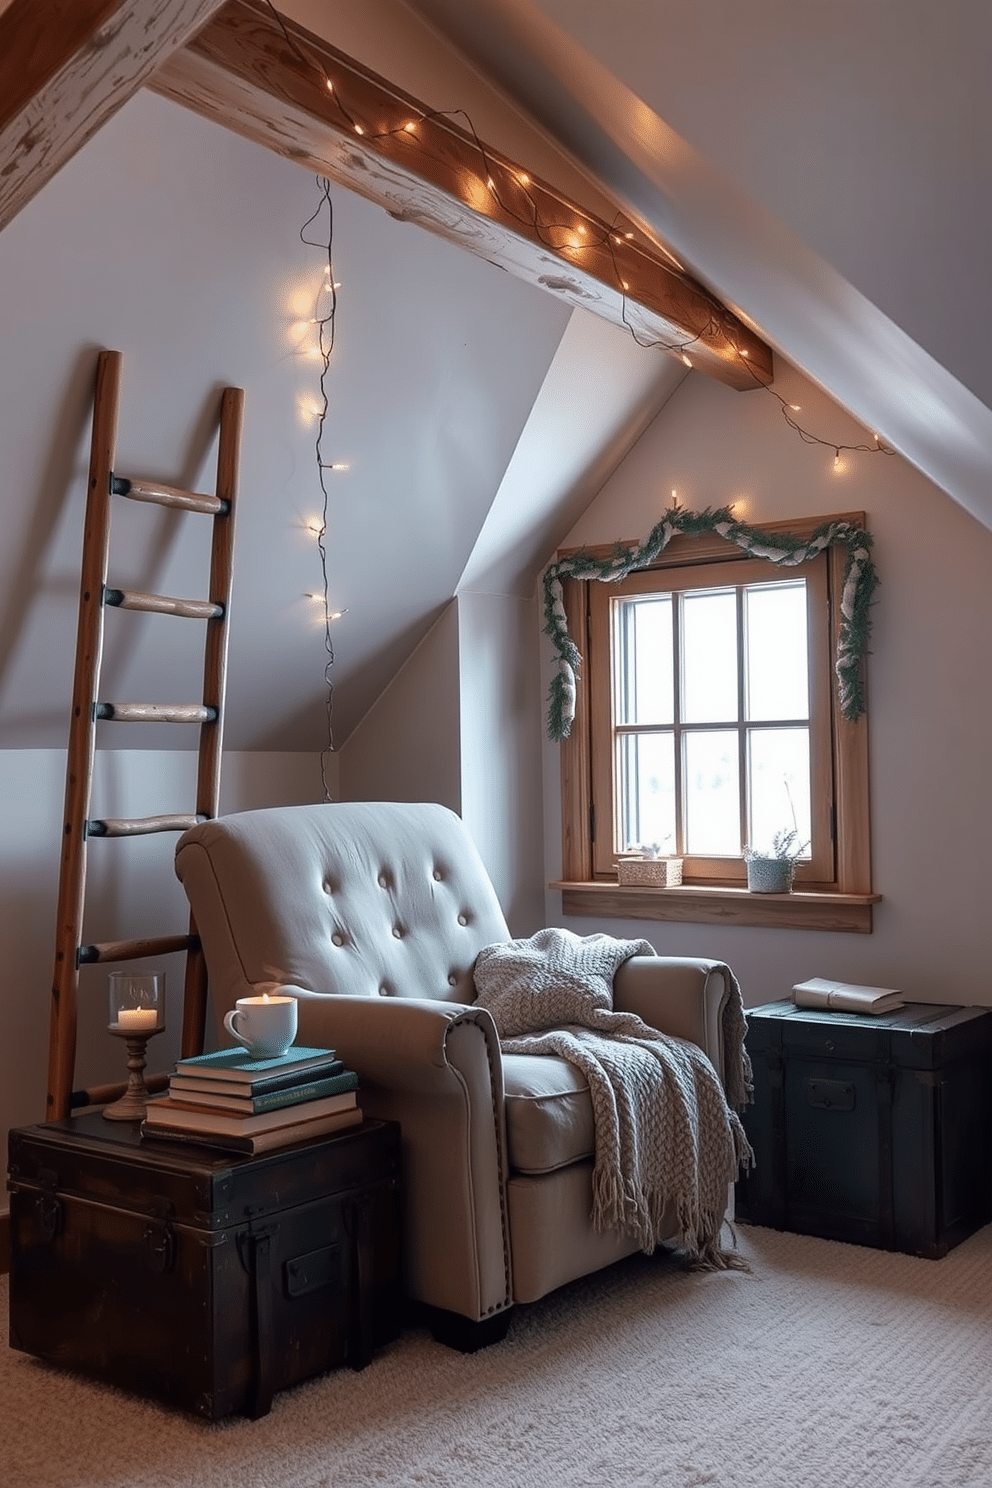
point(132, 1104)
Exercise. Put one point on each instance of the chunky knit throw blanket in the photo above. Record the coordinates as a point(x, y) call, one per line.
point(666, 1137)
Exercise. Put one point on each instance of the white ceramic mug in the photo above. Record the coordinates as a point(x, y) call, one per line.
point(266, 1025)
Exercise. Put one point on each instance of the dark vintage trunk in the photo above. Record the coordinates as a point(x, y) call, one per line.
point(874, 1130)
point(196, 1278)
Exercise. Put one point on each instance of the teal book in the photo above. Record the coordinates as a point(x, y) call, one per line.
point(237, 1065)
point(204, 1081)
point(251, 1103)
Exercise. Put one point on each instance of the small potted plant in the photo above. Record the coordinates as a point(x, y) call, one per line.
point(771, 871)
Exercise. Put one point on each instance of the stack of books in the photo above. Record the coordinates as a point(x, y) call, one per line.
point(239, 1104)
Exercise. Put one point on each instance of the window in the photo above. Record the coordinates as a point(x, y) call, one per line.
point(707, 721)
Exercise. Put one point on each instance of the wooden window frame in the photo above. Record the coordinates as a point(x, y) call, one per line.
point(843, 902)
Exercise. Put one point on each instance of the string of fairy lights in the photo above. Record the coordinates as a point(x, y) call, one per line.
point(510, 189)
point(325, 320)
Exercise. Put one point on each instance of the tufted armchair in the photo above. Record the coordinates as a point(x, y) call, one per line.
point(374, 914)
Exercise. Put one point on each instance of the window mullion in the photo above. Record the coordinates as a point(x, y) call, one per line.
point(742, 777)
point(680, 846)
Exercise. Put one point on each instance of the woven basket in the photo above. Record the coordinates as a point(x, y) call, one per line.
point(654, 873)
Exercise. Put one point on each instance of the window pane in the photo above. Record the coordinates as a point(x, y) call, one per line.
point(712, 794)
point(776, 664)
point(646, 791)
point(709, 657)
point(644, 687)
point(778, 769)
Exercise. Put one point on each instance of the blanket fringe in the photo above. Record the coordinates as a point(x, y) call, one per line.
point(713, 1256)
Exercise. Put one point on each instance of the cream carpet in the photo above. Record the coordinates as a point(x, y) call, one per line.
point(828, 1365)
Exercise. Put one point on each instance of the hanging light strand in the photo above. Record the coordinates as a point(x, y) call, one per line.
point(789, 410)
point(326, 323)
point(518, 203)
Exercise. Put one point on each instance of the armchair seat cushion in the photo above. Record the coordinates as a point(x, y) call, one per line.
point(549, 1122)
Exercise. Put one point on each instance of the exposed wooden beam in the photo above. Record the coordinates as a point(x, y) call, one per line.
point(267, 79)
point(66, 69)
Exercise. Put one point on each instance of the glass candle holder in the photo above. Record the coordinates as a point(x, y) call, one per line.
point(136, 1012)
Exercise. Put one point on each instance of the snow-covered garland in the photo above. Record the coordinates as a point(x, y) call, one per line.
point(860, 580)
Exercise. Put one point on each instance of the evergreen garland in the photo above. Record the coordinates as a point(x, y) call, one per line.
point(860, 581)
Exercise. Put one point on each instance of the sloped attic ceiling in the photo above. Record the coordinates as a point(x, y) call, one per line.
point(185, 255)
point(760, 264)
point(178, 244)
point(825, 169)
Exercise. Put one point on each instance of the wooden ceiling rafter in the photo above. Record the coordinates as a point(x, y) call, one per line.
point(240, 71)
point(66, 69)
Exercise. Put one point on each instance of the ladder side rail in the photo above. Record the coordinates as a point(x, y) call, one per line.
point(214, 689)
point(82, 738)
point(221, 581)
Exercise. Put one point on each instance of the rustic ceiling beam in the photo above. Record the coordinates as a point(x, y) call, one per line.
point(66, 69)
point(270, 80)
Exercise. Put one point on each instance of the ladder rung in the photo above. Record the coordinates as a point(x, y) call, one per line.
point(163, 495)
point(163, 604)
point(139, 826)
point(134, 950)
point(101, 1095)
point(155, 712)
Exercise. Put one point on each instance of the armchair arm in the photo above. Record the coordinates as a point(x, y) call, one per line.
point(435, 1068)
point(678, 995)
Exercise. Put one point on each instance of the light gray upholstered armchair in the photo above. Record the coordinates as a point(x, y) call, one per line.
point(376, 911)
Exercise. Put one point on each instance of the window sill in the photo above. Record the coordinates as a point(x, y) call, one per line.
point(800, 910)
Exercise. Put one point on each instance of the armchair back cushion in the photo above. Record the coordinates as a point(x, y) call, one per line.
point(378, 899)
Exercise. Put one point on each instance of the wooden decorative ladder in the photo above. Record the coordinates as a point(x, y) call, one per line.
point(70, 950)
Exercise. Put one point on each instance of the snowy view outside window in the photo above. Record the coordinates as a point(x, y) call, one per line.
point(711, 718)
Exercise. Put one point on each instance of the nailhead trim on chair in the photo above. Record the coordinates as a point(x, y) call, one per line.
point(504, 1218)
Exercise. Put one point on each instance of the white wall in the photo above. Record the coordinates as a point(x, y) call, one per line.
point(131, 890)
point(407, 748)
point(501, 757)
point(458, 725)
point(929, 698)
